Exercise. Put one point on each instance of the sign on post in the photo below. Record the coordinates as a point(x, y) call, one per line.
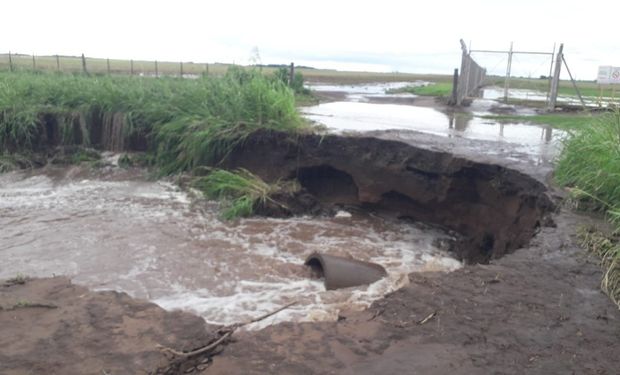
point(608, 75)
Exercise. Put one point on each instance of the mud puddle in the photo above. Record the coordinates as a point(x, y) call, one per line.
point(116, 230)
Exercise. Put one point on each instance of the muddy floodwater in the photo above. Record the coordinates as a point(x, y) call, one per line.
point(113, 229)
point(359, 111)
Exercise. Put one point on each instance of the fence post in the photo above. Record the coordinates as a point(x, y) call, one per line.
point(462, 89)
point(550, 73)
point(57, 63)
point(10, 62)
point(507, 80)
point(292, 75)
point(34, 63)
point(181, 71)
point(131, 67)
point(555, 82)
point(207, 69)
point(107, 63)
point(156, 72)
point(84, 70)
point(455, 85)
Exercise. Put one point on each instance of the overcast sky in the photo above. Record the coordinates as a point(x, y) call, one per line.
point(387, 35)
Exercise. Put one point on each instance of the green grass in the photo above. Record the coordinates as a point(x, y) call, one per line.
point(186, 122)
point(240, 191)
point(433, 89)
point(558, 121)
point(589, 166)
point(590, 160)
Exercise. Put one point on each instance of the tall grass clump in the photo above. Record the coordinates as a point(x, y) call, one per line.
point(590, 166)
point(608, 250)
point(231, 108)
point(590, 161)
point(185, 122)
point(240, 191)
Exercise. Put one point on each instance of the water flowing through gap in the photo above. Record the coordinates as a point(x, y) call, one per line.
point(113, 229)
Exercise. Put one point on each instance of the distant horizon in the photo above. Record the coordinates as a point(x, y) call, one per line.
point(268, 64)
point(393, 36)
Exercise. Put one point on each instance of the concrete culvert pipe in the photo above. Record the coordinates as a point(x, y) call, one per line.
point(340, 272)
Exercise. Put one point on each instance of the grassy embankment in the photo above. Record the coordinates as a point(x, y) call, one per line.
point(590, 167)
point(182, 123)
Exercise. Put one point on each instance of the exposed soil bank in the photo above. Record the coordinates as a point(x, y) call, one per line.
point(496, 210)
point(50, 326)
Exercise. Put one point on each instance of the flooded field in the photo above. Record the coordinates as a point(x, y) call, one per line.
point(113, 229)
point(358, 113)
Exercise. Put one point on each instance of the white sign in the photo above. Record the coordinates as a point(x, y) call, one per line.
point(608, 75)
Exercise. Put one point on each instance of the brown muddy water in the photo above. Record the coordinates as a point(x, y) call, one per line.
point(114, 229)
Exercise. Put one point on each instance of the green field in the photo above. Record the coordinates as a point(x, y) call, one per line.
point(98, 66)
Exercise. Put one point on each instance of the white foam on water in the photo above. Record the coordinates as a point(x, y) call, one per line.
point(148, 239)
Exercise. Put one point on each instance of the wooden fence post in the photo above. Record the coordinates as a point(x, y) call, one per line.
point(131, 67)
point(292, 75)
point(57, 63)
point(84, 70)
point(207, 69)
point(10, 62)
point(107, 62)
point(34, 63)
point(181, 71)
point(156, 72)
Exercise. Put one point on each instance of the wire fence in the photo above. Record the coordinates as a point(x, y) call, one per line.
point(471, 77)
point(93, 65)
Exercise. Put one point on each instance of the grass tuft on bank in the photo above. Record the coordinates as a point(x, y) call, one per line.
point(241, 192)
point(589, 166)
